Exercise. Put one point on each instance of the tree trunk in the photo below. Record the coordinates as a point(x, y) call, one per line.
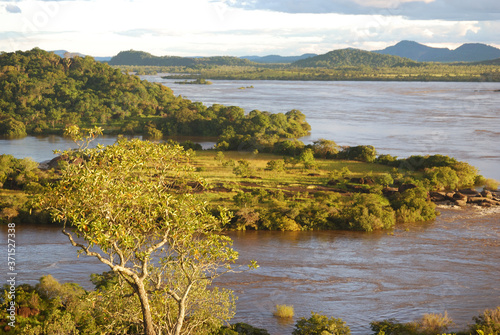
point(180, 317)
point(146, 310)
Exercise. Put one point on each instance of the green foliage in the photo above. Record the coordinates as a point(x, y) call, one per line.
point(319, 324)
point(133, 57)
point(442, 178)
point(127, 200)
point(241, 328)
point(325, 148)
point(243, 168)
point(429, 324)
point(277, 165)
point(367, 212)
point(354, 58)
point(307, 158)
point(362, 153)
point(413, 206)
point(43, 93)
point(488, 322)
point(12, 128)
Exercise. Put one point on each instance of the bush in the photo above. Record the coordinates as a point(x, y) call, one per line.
point(413, 206)
point(284, 311)
point(391, 327)
point(488, 322)
point(319, 324)
point(368, 212)
point(491, 184)
point(363, 153)
point(241, 328)
point(434, 323)
point(325, 148)
point(277, 165)
point(442, 177)
point(243, 168)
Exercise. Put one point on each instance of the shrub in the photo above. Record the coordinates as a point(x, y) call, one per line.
point(277, 165)
point(307, 158)
point(325, 148)
point(488, 322)
point(491, 184)
point(284, 311)
point(319, 324)
point(434, 323)
point(243, 168)
point(391, 327)
point(413, 206)
point(368, 212)
point(442, 177)
point(363, 153)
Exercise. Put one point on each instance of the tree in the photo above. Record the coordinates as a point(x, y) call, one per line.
point(127, 205)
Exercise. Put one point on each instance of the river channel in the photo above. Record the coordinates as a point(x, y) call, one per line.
point(451, 264)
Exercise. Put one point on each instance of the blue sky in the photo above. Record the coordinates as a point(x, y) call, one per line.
point(243, 27)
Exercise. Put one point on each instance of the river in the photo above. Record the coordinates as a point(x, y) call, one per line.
point(449, 264)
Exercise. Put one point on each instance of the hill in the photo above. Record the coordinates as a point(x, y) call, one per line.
point(43, 93)
point(353, 58)
point(142, 58)
point(276, 59)
point(471, 52)
point(66, 53)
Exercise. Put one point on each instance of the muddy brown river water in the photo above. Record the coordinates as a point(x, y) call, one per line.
point(451, 264)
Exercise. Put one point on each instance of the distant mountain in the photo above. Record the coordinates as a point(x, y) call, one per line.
point(65, 53)
point(133, 57)
point(470, 52)
point(277, 59)
point(355, 58)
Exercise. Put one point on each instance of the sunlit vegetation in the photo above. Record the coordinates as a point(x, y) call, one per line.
point(43, 93)
point(50, 307)
point(284, 311)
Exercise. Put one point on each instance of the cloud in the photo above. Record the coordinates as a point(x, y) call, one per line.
point(477, 10)
point(12, 9)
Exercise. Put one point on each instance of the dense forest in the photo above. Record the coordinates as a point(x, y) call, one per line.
point(43, 93)
point(144, 58)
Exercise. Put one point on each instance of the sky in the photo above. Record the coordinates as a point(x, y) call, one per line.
point(243, 27)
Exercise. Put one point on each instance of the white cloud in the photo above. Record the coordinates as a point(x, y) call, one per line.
point(204, 27)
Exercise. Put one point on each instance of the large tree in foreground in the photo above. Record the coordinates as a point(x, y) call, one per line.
point(130, 206)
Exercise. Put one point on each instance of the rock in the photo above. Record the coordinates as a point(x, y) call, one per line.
point(487, 194)
point(449, 196)
point(388, 191)
point(357, 180)
point(313, 174)
point(437, 196)
point(459, 196)
point(405, 187)
point(469, 192)
point(332, 182)
point(369, 181)
point(460, 202)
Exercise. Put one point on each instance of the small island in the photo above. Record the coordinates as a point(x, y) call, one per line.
point(199, 81)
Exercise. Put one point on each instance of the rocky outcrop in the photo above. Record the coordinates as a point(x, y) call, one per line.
point(467, 196)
